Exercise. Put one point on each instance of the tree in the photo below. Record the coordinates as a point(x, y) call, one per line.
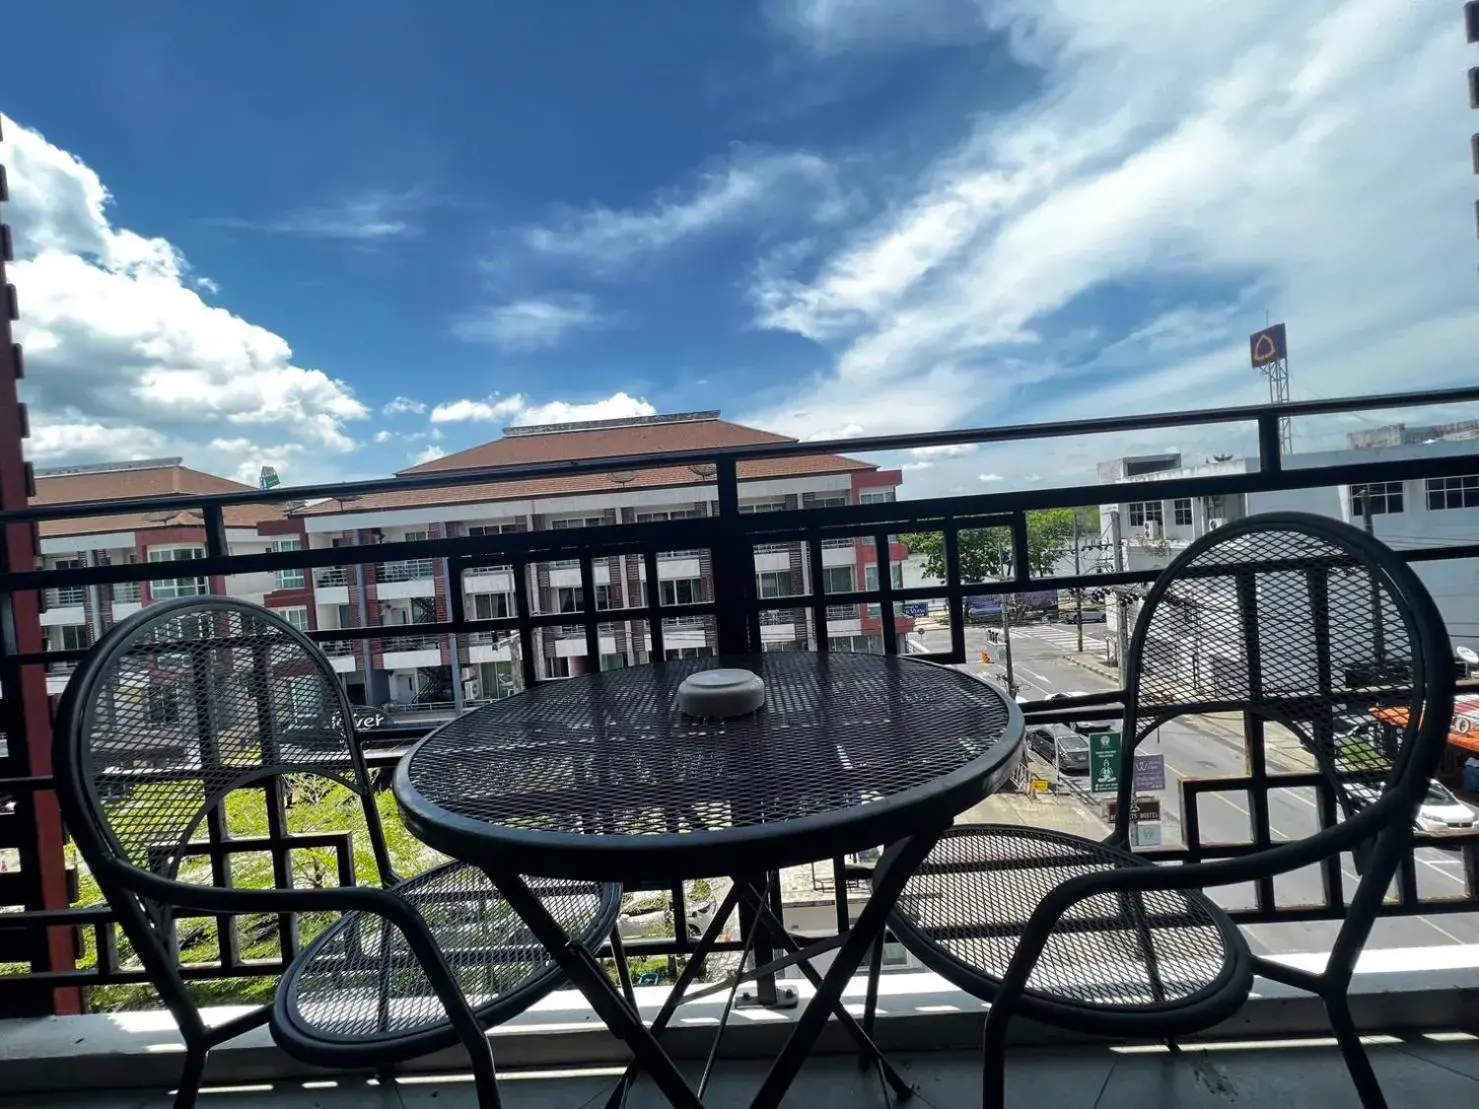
point(986, 553)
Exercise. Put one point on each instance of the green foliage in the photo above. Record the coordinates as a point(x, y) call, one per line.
point(986, 553)
point(313, 806)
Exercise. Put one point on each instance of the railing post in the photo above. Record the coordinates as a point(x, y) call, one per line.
point(25, 716)
point(734, 566)
point(1270, 444)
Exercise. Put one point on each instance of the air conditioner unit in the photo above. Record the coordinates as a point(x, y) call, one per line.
point(1152, 530)
point(1215, 522)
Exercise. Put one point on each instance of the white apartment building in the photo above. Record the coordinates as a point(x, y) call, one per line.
point(1424, 512)
point(405, 669)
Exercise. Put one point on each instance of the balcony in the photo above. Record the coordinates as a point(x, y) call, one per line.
point(1418, 969)
point(64, 606)
point(399, 580)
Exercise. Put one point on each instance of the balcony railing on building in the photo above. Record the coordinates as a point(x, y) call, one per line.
point(40, 969)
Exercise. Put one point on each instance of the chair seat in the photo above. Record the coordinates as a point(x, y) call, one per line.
point(1129, 962)
point(357, 995)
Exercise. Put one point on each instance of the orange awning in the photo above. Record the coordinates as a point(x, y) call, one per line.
point(1464, 733)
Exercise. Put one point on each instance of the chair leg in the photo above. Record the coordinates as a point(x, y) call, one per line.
point(484, 1075)
point(994, 1059)
point(1368, 1089)
point(191, 1075)
point(870, 1006)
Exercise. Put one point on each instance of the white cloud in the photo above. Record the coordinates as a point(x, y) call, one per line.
point(126, 358)
point(462, 411)
point(400, 406)
point(749, 184)
point(1227, 174)
point(429, 453)
point(946, 450)
point(518, 411)
point(530, 324)
point(384, 436)
point(368, 217)
point(989, 478)
point(831, 26)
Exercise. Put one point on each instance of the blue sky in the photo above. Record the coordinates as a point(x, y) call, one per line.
point(339, 237)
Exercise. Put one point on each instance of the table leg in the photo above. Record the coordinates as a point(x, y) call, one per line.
point(839, 1009)
point(585, 972)
point(685, 979)
point(889, 881)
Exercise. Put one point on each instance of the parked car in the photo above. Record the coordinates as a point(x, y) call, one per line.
point(1085, 727)
point(1466, 660)
point(1061, 745)
point(1440, 810)
point(1084, 616)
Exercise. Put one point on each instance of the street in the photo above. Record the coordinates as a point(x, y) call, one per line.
point(1044, 661)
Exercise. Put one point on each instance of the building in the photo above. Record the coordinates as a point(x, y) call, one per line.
point(435, 671)
point(74, 618)
point(1431, 511)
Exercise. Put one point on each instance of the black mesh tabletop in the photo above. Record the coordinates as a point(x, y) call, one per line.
point(603, 777)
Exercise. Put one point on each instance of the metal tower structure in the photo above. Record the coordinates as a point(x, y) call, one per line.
point(1268, 350)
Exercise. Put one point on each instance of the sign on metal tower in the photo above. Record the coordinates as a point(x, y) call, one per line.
point(1268, 350)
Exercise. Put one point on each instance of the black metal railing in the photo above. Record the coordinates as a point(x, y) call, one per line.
point(39, 962)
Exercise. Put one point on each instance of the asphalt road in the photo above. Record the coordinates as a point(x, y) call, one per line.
point(1043, 659)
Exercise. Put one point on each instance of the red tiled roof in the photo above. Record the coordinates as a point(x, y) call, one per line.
point(600, 442)
point(153, 481)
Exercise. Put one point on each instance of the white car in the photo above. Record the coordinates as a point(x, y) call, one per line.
point(1440, 810)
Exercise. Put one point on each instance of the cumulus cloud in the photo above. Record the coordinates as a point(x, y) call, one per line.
point(126, 358)
point(1226, 175)
point(990, 479)
point(517, 410)
point(530, 324)
point(750, 184)
point(403, 406)
point(429, 453)
point(383, 436)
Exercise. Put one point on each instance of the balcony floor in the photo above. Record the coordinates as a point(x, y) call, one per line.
point(1419, 1072)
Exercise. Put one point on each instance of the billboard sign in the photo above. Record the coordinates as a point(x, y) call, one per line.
point(1268, 346)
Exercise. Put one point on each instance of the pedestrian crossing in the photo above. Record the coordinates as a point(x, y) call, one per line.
point(1064, 639)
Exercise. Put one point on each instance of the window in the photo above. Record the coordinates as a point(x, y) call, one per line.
point(830, 502)
point(556, 666)
point(577, 522)
point(418, 569)
point(305, 697)
point(1146, 512)
point(474, 530)
point(670, 514)
point(613, 660)
point(497, 680)
point(677, 591)
point(1181, 512)
point(1453, 492)
point(763, 506)
point(774, 583)
point(288, 579)
point(170, 588)
point(1382, 498)
point(884, 496)
point(298, 617)
point(671, 653)
point(895, 575)
point(571, 599)
point(69, 637)
point(780, 646)
point(838, 579)
point(492, 606)
point(162, 704)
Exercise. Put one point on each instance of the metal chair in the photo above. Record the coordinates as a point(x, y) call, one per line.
point(1288, 618)
point(205, 735)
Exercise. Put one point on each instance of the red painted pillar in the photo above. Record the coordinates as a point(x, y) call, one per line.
point(25, 711)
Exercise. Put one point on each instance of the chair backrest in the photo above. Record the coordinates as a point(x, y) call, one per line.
point(177, 710)
point(1307, 623)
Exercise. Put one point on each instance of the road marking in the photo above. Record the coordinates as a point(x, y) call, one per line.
point(1042, 682)
point(1421, 861)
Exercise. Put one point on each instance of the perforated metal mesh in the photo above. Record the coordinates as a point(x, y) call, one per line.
point(1303, 630)
point(360, 980)
point(973, 896)
point(611, 753)
point(195, 704)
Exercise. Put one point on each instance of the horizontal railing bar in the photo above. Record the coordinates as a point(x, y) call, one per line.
point(875, 444)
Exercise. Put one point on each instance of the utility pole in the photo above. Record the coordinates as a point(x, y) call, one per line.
point(1078, 593)
point(1378, 633)
point(1006, 640)
point(1120, 638)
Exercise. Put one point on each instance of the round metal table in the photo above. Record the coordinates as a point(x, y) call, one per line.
point(602, 777)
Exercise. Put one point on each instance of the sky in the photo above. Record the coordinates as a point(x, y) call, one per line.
point(341, 238)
